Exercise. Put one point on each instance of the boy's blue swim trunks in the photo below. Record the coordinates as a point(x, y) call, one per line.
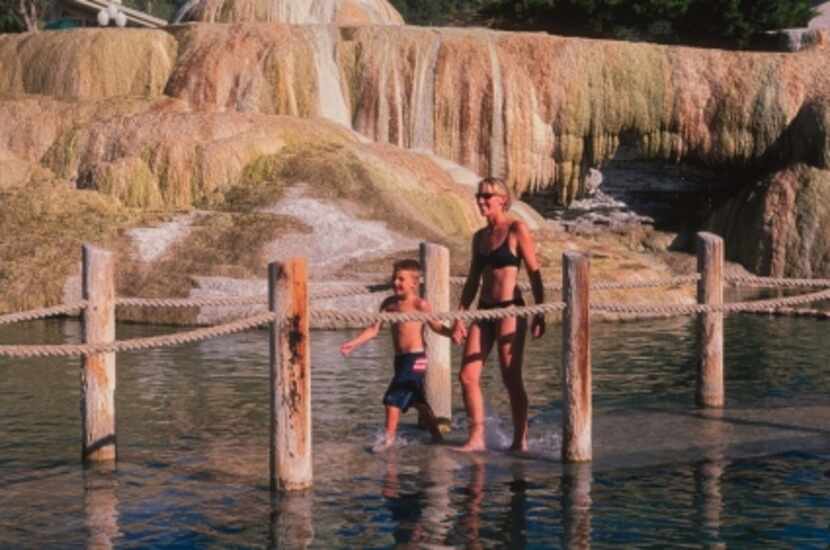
point(407, 387)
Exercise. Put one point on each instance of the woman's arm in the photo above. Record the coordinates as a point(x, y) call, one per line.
point(527, 250)
point(468, 293)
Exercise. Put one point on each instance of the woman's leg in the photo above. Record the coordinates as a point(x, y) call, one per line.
point(511, 341)
point(478, 345)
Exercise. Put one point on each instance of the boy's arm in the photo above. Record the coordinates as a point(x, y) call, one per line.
point(436, 326)
point(368, 333)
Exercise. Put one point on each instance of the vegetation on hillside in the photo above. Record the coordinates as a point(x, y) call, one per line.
point(721, 23)
point(34, 15)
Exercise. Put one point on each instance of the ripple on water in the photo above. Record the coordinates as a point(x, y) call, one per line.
point(193, 446)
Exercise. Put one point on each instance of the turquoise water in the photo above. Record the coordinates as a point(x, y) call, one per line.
point(192, 436)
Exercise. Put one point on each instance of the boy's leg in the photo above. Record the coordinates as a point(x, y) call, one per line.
point(393, 416)
point(425, 412)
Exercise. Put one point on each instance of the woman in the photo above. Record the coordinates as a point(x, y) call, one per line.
point(498, 251)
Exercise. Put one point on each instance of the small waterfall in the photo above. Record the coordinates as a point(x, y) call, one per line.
point(332, 103)
point(321, 11)
point(497, 165)
point(288, 12)
point(422, 101)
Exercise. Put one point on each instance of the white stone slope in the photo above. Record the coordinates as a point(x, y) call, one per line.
point(339, 237)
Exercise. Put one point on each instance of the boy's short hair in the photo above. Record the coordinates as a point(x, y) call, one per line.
point(407, 265)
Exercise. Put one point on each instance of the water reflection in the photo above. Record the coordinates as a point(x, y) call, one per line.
point(193, 434)
point(421, 513)
point(101, 506)
point(291, 523)
point(708, 473)
point(576, 506)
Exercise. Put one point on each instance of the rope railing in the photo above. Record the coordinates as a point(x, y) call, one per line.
point(360, 289)
point(459, 315)
point(191, 302)
point(42, 313)
point(753, 281)
point(610, 285)
point(69, 350)
point(289, 337)
point(732, 307)
point(363, 317)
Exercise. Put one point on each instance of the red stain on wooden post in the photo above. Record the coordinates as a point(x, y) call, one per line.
point(576, 359)
point(435, 261)
point(290, 452)
point(710, 252)
point(98, 371)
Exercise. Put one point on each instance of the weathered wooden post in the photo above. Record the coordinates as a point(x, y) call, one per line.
point(435, 260)
point(710, 325)
point(290, 451)
point(576, 359)
point(98, 370)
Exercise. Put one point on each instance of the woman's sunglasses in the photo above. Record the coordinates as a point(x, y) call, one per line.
point(487, 196)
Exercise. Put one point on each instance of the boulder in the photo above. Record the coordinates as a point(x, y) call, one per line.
point(779, 226)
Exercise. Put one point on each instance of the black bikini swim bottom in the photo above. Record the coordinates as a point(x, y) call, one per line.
point(518, 302)
point(491, 323)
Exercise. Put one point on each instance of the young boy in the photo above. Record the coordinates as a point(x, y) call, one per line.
point(407, 386)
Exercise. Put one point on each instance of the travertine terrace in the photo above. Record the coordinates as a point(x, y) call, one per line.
point(159, 120)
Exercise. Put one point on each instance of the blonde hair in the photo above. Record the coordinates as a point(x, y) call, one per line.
point(499, 183)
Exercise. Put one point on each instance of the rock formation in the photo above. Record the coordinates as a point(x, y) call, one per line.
point(786, 215)
point(189, 116)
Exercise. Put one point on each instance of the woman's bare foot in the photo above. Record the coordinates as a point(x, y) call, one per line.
point(471, 446)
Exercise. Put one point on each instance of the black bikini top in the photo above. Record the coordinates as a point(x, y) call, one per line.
point(500, 257)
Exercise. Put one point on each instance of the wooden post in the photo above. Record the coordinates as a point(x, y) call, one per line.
point(576, 359)
point(290, 451)
point(98, 371)
point(710, 325)
point(435, 260)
